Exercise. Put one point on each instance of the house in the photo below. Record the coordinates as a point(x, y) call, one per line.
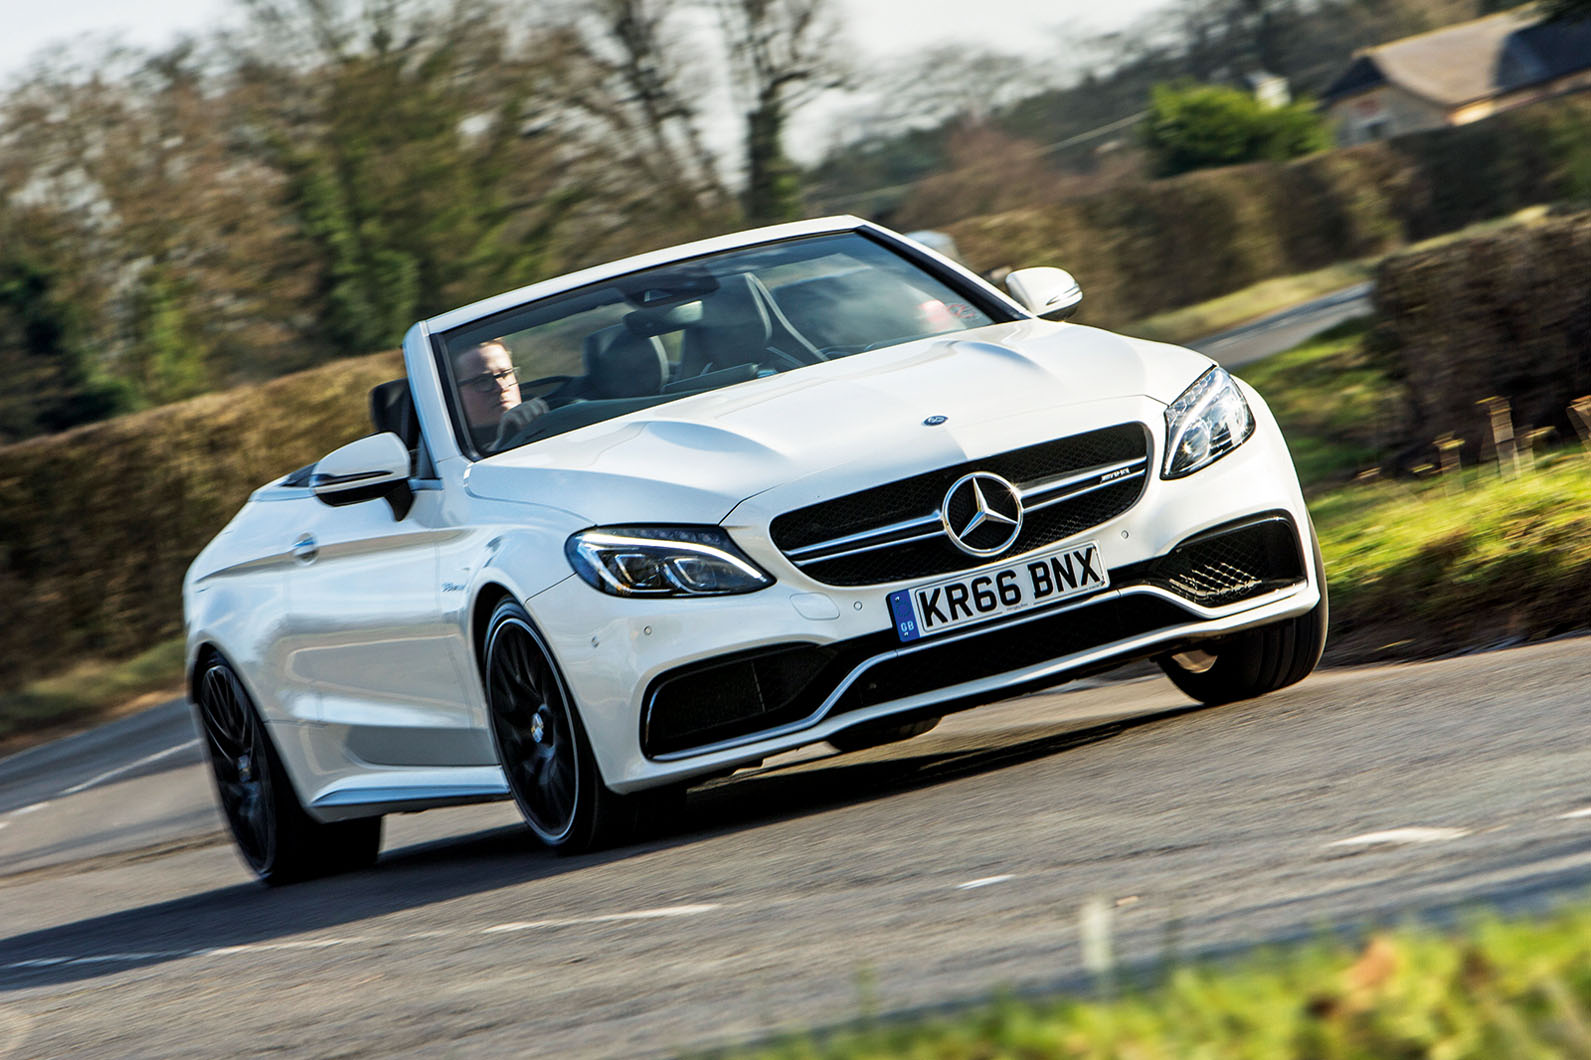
point(1458, 74)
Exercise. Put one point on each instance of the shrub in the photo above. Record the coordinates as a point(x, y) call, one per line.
point(97, 525)
point(1197, 126)
point(1506, 315)
point(1143, 248)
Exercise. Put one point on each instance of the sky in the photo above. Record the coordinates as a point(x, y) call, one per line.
point(880, 28)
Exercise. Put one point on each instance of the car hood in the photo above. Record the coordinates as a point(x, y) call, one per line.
point(694, 459)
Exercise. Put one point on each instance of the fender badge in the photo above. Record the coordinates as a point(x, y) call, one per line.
point(934, 421)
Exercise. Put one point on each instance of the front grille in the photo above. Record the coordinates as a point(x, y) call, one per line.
point(1230, 564)
point(892, 532)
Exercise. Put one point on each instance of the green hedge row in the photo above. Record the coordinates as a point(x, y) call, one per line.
point(97, 525)
point(1144, 248)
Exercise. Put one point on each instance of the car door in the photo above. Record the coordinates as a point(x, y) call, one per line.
point(366, 630)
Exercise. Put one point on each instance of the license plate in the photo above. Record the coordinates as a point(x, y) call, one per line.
point(1034, 582)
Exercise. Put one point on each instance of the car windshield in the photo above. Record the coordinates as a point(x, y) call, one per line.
point(655, 336)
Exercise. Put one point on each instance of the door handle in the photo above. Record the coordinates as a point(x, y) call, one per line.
point(305, 548)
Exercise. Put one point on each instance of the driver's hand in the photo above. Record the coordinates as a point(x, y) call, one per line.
point(518, 418)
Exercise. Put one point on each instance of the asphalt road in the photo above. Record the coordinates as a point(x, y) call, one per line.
point(1285, 329)
point(938, 870)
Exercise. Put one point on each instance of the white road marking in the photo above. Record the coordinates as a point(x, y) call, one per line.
point(110, 774)
point(982, 881)
point(1574, 815)
point(608, 918)
point(663, 913)
point(37, 806)
point(1401, 836)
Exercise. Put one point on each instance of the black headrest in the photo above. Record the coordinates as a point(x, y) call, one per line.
point(622, 364)
point(392, 409)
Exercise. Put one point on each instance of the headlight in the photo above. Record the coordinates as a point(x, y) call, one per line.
point(1208, 421)
point(663, 561)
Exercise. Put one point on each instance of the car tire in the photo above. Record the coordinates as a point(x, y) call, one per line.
point(1256, 661)
point(875, 734)
point(541, 743)
point(273, 834)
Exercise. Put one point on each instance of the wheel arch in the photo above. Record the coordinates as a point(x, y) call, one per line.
point(487, 598)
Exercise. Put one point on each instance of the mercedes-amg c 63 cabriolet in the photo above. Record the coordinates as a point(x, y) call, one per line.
point(654, 521)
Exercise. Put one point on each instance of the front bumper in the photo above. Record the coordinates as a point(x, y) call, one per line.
point(672, 689)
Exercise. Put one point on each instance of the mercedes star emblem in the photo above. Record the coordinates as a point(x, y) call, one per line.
point(982, 514)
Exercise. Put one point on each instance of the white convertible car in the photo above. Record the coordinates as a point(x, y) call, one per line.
point(656, 520)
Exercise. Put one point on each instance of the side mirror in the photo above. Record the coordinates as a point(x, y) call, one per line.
point(1050, 293)
point(363, 470)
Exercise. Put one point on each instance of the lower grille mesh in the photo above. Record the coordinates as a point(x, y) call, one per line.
point(1226, 566)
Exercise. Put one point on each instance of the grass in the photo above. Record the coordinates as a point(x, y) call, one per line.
point(91, 691)
point(1468, 560)
point(1332, 401)
point(1494, 989)
point(1283, 292)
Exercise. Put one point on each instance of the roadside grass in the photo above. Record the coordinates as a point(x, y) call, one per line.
point(1334, 404)
point(1282, 292)
point(1468, 560)
point(89, 692)
point(1490, 988)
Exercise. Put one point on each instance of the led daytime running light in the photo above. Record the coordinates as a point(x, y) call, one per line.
point(645, 562)
point(1211, 412)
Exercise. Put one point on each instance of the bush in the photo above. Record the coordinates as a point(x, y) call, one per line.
point(97, 525)
point(1506, 315)
point(1197, 126)
point(1143, 248)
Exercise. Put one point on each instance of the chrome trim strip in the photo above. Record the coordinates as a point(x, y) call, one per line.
point(410, 793)
point(1060, 664)
point(869, 540)
point(891, 543)
point(867, 535)
point(1084, 476)
point(1041, 505)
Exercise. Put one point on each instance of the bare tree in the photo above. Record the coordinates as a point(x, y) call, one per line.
point(956, 82)
point(625, 68)
point(782, 54)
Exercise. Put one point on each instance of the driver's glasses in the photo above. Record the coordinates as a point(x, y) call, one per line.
point(491, 382)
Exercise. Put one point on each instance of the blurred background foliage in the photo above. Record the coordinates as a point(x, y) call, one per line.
point(178, 229)
point(1193, 126)
point(302, 186)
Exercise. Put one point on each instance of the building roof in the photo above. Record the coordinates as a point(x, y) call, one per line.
point(1472, 61)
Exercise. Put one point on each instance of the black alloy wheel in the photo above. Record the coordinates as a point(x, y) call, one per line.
point(242, 780)
point(278, 841)
point(540, 742)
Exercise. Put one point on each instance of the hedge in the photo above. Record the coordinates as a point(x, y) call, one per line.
point(1146, 247)
point(97, 525)
point(1506, 315)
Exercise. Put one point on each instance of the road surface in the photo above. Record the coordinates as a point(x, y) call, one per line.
point(1285, 329)
point(935, 871)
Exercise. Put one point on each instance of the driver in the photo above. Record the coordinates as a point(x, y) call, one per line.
point(489, 393)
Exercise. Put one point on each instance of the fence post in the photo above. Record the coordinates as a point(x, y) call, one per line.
point(1502, 434)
